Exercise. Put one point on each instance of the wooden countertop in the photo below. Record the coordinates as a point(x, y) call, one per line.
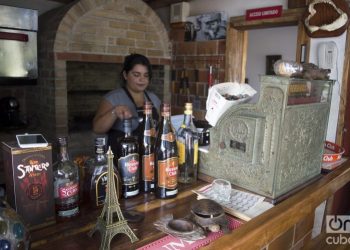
point(251, 235)
point(72, 234)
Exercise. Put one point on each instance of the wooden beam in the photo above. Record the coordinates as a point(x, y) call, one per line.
point(288, 18)
point(61, 1)
point(156, 4)
point(343, 113)
point(236, 55)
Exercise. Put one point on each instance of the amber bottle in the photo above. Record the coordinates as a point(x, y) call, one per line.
point(128, 162)
point(166, 164)
point(147, 149)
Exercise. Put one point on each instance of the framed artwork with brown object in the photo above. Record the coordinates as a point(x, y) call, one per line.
point(326, 18)
point(270, 61)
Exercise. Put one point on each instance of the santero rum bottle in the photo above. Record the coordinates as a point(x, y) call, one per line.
point(66, 183)
point(166, 157)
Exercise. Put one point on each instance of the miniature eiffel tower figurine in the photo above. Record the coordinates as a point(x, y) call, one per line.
point(105, 222)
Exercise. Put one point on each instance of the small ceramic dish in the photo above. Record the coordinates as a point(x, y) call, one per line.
point(332, 152)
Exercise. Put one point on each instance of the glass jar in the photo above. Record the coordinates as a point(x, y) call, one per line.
point(287, 68)
point(13, 233)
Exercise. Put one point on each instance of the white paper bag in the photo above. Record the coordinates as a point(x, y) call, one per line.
point(217, 104)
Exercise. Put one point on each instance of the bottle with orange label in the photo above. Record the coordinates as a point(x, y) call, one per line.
point(128, 162)
point(147, 149)
point(166, 163)
point(187, 145)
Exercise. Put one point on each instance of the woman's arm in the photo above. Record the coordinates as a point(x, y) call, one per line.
point(107, 114)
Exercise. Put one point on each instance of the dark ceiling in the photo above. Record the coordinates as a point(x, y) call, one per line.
point(154, 4)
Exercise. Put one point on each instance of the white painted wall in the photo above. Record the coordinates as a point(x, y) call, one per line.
point(336, 74)
point(263, 42)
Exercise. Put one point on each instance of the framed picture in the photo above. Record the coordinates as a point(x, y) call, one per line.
point(210, 26)
point(270, 61)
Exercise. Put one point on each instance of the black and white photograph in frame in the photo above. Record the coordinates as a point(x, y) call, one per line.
point(270, 61)
point(210, 26)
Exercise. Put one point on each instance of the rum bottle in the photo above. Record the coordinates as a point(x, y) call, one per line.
point(187, 145)
point(128, 162)
point(66, 183)
point(96, 181)
point(166, 163)
point(147, 149)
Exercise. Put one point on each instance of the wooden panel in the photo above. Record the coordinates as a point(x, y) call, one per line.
point(236, 55)
point(344, 113)
point(303, 39)
point(297, 3)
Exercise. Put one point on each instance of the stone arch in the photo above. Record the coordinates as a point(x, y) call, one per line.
point(130, 25)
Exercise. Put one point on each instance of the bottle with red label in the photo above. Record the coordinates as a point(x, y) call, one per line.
point(147, 149)
point(66, 183)
point(166, 162)
point(128, 162)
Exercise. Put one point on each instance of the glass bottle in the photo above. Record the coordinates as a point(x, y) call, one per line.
point(66, 183)
point(147, 149)
point(128, 162)
point(96, 181)
point(166, 163)
point(287, 68)
point(187, 145)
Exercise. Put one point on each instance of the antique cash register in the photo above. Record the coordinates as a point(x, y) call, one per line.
point(275, 145)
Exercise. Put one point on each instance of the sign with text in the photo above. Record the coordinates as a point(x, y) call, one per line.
point(264, 13)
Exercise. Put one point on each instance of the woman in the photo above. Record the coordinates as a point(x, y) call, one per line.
point(126, 102)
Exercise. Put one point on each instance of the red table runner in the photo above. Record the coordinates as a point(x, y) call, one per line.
point(169, 242)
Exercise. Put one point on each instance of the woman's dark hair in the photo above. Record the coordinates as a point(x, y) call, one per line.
point(132, 60)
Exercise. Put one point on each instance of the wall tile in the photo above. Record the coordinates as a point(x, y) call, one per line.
point(284, 241)
point(304, 227)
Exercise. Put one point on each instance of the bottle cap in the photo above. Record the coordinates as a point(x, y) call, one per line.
point(127, 123)
point(188, 106)
point(100, 141)
point(165, 107)
point(62, 140)
point(147, 106)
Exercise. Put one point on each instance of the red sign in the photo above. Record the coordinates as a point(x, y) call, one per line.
point(264, 13)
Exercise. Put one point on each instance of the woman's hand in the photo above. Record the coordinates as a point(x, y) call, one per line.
point(107, 114)
point(122, 112)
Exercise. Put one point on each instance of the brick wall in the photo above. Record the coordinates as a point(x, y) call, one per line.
point(192, 60)
point(92, 31)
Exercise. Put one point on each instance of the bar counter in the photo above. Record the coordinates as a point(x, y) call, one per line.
point(288, 224)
